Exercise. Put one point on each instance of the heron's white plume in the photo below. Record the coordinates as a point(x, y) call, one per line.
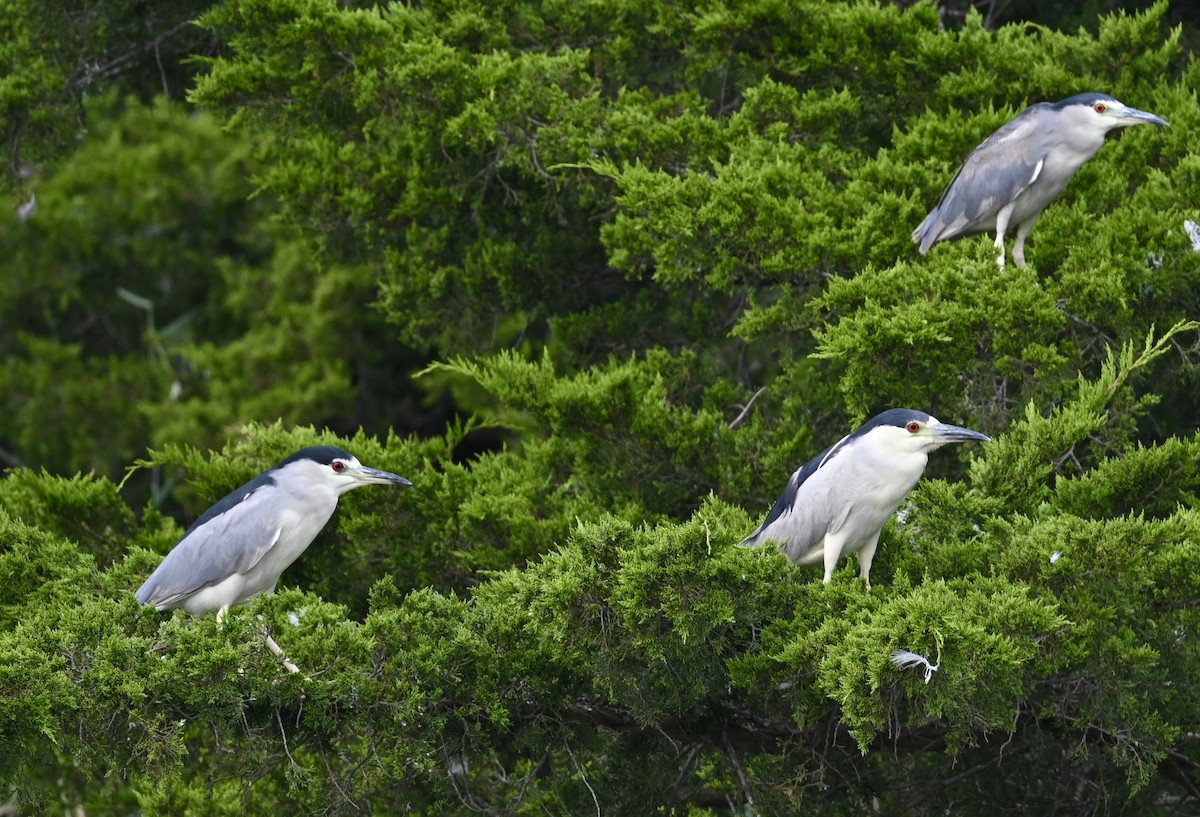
point(907, 660)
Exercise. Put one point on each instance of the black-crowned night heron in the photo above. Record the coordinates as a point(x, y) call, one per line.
point(238, 548)
point(1017, 171)
point(838, 502)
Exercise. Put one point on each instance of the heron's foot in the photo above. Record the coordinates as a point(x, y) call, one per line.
point(277, 650)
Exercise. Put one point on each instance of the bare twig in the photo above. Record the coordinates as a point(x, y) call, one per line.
point(283, 735)
point(583, 777)
point(746, 410)
point(737, 768)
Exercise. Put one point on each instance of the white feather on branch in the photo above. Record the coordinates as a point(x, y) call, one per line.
point(907, 660)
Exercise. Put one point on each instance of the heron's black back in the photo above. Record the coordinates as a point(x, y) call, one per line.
point(231, 499)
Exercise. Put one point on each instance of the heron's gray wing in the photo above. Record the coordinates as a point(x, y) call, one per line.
point(231, 537)
point(789, 521)
point(993, 175)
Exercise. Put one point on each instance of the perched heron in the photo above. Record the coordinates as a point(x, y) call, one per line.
point(838, 502)
point(238, 548)
point(1017, 171)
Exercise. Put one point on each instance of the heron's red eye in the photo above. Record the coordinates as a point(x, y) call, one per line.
point(1099, 107)
point(913, 427)
point(338, 466)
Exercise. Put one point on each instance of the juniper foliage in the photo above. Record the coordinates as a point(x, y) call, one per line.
point(596, 277)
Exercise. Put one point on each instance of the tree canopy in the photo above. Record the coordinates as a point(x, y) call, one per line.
point(597, 277)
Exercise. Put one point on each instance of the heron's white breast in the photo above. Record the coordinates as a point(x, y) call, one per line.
point(296, 532)
point(869, 492)
point(225, 593)
point(1058, 166)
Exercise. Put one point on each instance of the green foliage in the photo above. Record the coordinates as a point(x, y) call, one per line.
point(980, 638)
point(596, 276)
point(642, 432)
point(943, 338)
point(36, 567)
point(1150, 481)
point(55, 56)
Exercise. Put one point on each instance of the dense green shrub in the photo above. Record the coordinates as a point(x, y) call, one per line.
point(595, 276)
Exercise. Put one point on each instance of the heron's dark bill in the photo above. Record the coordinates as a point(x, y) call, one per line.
point(365, 474)
point(958, 434)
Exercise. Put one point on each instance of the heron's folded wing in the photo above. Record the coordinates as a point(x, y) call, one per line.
point(995, 173)
point(232, 540)
point(791, 522)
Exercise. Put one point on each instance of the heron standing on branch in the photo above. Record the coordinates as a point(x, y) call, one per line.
point(838, 502)
point(238, 548)
point(1017, 171)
